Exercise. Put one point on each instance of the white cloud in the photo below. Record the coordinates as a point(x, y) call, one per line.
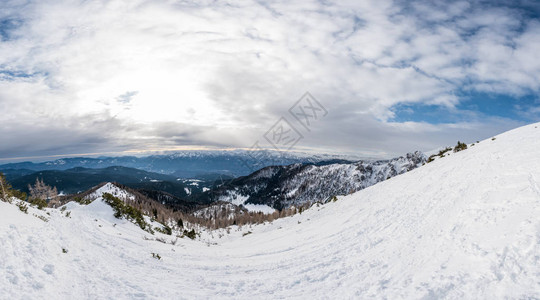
point(221, 73)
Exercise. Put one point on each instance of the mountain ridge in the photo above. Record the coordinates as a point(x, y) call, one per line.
point(79, 179)
point(185, 164)
point(464, 226)
point(283, 186)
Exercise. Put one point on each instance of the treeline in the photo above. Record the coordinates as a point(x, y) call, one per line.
point(214, 216)
point(7, 192)
point(41, 194)
point(221, 215)
point(224, 215)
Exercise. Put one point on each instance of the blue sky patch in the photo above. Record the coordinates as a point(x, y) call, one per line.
point(13, 75)
point(7, 26)
point(474, 106)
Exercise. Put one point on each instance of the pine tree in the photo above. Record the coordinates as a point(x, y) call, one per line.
point(180, 223)
point(5, 187)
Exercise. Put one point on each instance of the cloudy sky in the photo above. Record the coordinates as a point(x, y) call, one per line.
point(131, 76)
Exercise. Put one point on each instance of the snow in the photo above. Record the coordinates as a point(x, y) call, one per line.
point(187, 190)
point(265, 209)
point(300, 184)
point(465, 226)
point(234, 197)
point(111, 189)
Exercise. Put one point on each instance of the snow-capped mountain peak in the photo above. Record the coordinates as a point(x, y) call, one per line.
point(112, 189)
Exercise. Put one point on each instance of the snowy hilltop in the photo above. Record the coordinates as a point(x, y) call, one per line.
point(464, 226)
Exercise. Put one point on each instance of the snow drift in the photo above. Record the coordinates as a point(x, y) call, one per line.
point(464, 226)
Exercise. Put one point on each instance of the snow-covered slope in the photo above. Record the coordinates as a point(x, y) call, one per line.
point(284, 186)
point(465, 226)
point(111, 189)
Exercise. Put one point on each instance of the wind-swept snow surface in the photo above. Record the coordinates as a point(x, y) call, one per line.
point(465, 226)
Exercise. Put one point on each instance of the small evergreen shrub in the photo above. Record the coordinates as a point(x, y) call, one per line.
point(156, 256)
point(42, 218)
point(23, 207)
point(18, 194)
point(460, 147)
point(190, 234)
point(82, 201)
point(168, 230)
point(165, 230)
point(40, 203)
point(442, 152)
point(122, 209)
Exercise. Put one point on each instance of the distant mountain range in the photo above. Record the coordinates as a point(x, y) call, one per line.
point(186, 164)
point(288, 180)
point(80, 179)
point(282, 186)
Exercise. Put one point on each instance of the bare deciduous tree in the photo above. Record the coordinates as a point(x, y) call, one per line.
point(44, 192)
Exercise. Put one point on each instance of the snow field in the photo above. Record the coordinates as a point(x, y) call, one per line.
point(465, 226)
